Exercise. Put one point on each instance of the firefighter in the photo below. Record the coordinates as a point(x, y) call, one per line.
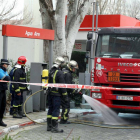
point(19, 75)
point(71, 68)
point(3, 87)
point(55, 95)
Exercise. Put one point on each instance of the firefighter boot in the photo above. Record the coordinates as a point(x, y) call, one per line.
point(55, 127)
point(49, 124)
point(2, 123)
point(15, 113)
point(62, 121)
point(20, 111)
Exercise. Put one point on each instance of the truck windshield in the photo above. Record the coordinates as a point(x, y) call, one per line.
point(118, 46)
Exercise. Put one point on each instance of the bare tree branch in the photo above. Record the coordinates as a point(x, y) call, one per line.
point(119, 7)
point(9, 10)
point(9, 16)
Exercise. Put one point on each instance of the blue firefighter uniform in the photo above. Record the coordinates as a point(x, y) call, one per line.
point(54, 99)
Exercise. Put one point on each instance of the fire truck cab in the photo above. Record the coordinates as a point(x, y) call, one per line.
point(117, 65)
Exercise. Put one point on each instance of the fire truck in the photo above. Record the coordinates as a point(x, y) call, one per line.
point(117, 66)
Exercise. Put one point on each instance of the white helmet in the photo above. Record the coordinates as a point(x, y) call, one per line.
point(72, 64)
point(55, 65)
point(59, 60)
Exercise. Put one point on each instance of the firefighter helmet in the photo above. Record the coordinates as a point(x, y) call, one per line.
point(22, 60)
point(72, 64)
point(59, 60)
point(55, 65)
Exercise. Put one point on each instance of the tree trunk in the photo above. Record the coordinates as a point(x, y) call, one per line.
point(73, 25)
point(59, 27)
point(46, 24)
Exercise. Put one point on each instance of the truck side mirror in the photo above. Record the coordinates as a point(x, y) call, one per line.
point(89, 35)
point(88, 45)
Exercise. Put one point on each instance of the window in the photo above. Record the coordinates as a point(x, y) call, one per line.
point(120, 46)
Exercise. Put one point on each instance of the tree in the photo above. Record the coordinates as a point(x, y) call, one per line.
point(9, 14)
point(124, 7)
point(65, 32)
point(133, 9)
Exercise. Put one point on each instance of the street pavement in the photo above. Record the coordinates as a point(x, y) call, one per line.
point(76, 132)
point(14, 123)
point(30, 131)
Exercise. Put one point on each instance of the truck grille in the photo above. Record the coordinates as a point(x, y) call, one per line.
point(130, 78)
point(126, 93)
point(125, 103)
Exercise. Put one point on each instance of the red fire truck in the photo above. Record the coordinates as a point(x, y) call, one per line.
point(117, 65)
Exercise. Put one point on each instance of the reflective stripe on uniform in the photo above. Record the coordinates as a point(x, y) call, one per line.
point(49, 116)
point(22, 87)
point(15, 105)
point(74, 91)
point(66, 111)
point(55, 91)
point(70, 68)
point(17, 90)
point(65, 93)
point(22, 78)
point(54, 118)
point(54, 76)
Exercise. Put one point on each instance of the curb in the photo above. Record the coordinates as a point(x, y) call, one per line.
point(15, 127)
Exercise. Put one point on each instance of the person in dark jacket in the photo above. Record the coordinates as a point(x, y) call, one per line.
point(55, 95)
point(71, 67)
point(19, 75)
point(3, 87)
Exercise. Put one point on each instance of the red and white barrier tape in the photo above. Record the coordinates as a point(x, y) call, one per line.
point(75, 86)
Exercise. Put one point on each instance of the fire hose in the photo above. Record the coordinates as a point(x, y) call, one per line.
point(25, 104)
point(83, 122)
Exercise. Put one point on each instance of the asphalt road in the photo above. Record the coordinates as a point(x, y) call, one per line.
point(81, 132)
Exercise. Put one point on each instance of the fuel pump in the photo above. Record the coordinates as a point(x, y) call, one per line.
point(38, 74)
